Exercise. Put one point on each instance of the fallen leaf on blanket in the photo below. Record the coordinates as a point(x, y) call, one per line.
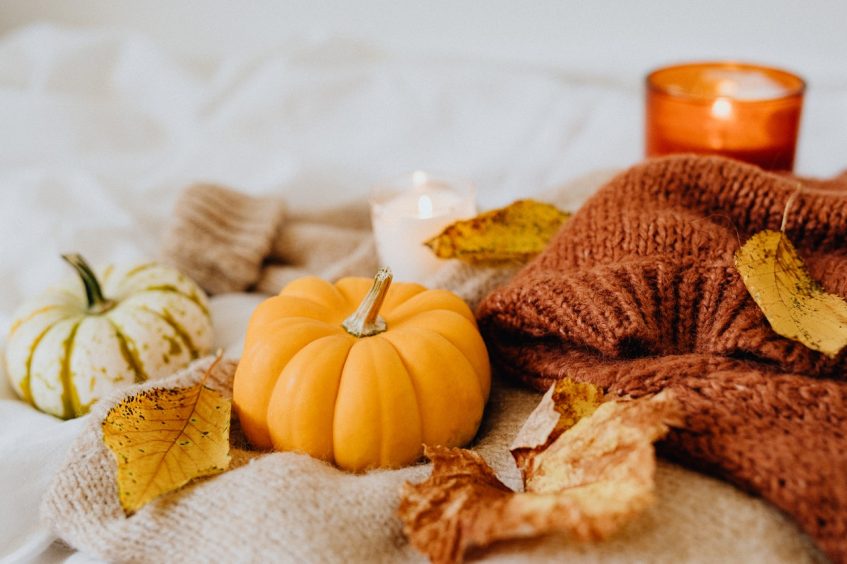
point(516, 232)
point(163, 438)
point(593, 479)
point(793, 303)
point(566, 402)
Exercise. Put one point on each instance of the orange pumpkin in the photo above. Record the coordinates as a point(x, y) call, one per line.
point(365, 386)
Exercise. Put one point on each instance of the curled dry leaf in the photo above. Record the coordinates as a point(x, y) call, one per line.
point(516, 232)
point(565, 403)
point(586, 484)
point(163, 438)
point(609, 452)
point(793, 303)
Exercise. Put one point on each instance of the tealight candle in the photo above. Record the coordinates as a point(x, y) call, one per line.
point(747, 112)
point(411, 210)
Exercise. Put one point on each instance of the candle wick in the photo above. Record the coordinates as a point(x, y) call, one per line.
point(424, 206)
point(419, 178)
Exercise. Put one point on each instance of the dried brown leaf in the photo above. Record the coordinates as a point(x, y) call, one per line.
point(587, 484)
point(613, 445)
point(514, 233)
point(163, 438)
point(566, 402)
point(793, 303)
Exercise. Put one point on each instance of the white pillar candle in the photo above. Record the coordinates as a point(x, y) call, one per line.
point(411, 210)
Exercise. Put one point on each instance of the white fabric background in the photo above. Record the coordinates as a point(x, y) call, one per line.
point(100, 129)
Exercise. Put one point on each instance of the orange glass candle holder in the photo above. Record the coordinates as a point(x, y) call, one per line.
point(738, 110)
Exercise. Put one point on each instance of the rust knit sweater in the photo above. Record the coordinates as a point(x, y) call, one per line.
point(638, 292)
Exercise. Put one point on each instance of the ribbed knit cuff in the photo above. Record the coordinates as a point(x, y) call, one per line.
point(219, 237)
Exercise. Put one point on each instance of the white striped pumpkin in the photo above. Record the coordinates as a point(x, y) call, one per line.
point(78, 342)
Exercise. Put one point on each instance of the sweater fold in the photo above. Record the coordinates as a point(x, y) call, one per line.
point(638, 292)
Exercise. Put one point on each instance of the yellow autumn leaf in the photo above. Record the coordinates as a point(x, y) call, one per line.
point(163, 438)
point(516, 232)
point(793, 303)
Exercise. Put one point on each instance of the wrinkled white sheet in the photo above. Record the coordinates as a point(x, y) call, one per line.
point(100, 130)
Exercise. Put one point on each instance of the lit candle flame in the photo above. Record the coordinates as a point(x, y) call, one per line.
point(419, 178)
point(424, 207)
point(722, 108)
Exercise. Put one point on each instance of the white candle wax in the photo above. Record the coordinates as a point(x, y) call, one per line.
point(404, 218)
point(745, 84)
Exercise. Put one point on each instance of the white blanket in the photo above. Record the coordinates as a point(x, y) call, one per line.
point(101, 130)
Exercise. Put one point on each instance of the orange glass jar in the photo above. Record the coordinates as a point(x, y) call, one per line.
point(738, 110)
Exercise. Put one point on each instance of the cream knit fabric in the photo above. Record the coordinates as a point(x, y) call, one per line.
point(220, 238)
point(291, 508)
point(285, 507)
point(229, 242)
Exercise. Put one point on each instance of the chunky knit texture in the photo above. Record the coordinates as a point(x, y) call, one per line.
point(638, 292)
point(220, 238)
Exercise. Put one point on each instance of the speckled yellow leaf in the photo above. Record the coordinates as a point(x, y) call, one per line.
point(516, 232)
point(794, 304)
point(163, 438)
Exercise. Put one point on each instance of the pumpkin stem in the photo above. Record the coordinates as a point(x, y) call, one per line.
point(97, 303)
point(365, 321)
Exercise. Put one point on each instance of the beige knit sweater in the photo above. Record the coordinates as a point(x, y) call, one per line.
point(291, 508)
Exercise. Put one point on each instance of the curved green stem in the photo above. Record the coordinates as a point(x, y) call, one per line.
point(365, 321)
point(97, 302)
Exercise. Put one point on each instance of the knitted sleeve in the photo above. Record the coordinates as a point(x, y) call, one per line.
point(219, 237)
